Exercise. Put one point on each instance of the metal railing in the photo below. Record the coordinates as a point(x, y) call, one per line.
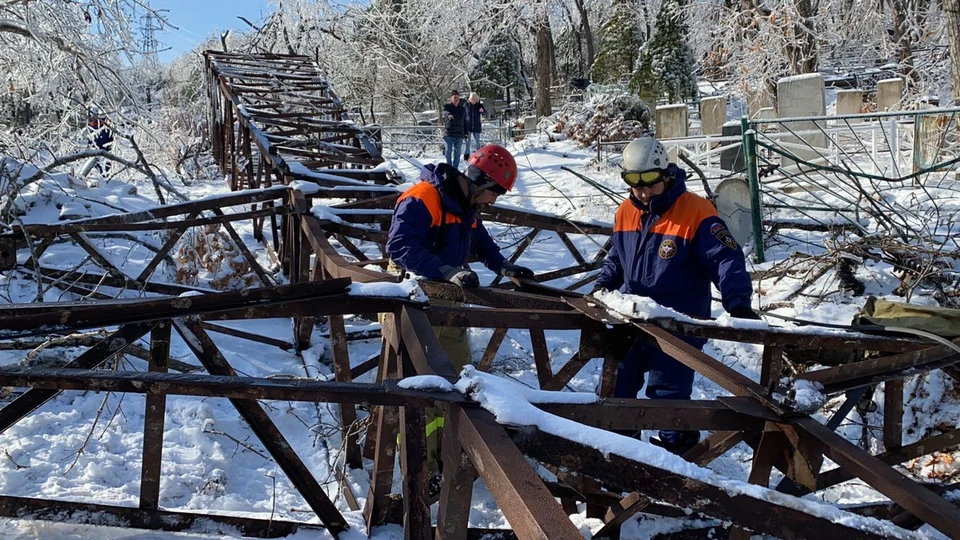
point(839, 164)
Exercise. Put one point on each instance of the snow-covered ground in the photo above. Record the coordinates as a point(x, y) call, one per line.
point(86, 447)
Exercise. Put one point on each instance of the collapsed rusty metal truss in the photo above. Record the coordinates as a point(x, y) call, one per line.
point(270, 112)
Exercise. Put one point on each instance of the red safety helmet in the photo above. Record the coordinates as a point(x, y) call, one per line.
point(497, 163)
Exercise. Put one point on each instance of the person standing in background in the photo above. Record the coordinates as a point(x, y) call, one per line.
point(475, 110)
point(455, 128)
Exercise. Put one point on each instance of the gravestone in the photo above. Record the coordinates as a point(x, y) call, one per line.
point(800, 96)
point(849, 102)
point(529, 124)
point(713, 114)
point(733, 205)
point(889, 94)
point(672, 123)
point(731, 159)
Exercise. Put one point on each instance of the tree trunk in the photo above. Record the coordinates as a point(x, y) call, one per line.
point(802, 52)
point(544, 67)
point(587, 31)
point(903, 38)
point(951, 9)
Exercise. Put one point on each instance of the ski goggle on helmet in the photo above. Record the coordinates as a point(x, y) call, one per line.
point(643, 178)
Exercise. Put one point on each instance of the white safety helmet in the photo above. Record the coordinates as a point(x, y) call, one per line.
point(644, 154)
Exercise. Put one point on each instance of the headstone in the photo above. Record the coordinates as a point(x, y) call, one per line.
point(731, 159)
point(799, 96)
point(672, 123)
point(733, 205)
point(889, 94)
point(849, 102)
point(529, 124)
point(713, 114)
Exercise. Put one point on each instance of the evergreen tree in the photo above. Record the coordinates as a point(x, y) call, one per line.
point(621, 38)
point(667, 64)
point(497, 66)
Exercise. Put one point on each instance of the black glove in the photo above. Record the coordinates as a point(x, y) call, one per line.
point(461, 276)
point(466, 156)
point(516, 271)
point(598, 288)
point(744, 312)
point(619, 340)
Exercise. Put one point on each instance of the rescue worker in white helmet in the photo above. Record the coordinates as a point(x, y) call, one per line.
point(668, 244)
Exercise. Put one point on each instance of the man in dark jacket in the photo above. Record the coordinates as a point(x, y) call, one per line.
point(669, 245)
point(475, 110)
point(455, 128)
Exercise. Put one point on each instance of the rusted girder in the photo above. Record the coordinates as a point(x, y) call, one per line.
point(109, 347)
point(26, 318)
point(886, 368)
point(233, 387)
point(758, 514)
point(616, 414)
point(263, 427)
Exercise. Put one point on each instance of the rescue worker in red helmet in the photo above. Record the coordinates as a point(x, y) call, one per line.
point(436, 229)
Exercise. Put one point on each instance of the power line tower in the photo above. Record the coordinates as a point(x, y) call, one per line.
point(148, 39)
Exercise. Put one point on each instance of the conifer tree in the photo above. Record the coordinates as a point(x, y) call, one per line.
point(667, 64)
point(497, 66)
point(621, 38)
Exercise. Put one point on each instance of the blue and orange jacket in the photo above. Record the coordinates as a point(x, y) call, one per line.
point(430, 229)
point(672, 251)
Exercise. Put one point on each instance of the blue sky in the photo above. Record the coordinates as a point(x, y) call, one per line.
point(196, 19)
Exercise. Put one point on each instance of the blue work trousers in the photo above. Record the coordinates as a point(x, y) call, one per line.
point(666, 377)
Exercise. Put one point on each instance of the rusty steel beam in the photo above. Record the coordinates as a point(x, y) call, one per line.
point(886, 368)
point(511, 216)
point(341, 367)
point(520, 493)
point(456, 489)
point(45, 318)
point(522, 496)
point(936, 443)
point(109, 347)
point(757, 514)
point(263, 427)
point(913, 497)
point(384, 437)
point(153, 417)
point(233, 387)
point(266, 340)
point(480, 317)
point(139, 518)
point(165, 211)
point(617, 414)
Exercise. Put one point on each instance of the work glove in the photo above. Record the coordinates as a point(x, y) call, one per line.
point(619, 340)
point(515, 271)
point(466, 156)
point(744, 312)
point(598, 288)
point(458, 275)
